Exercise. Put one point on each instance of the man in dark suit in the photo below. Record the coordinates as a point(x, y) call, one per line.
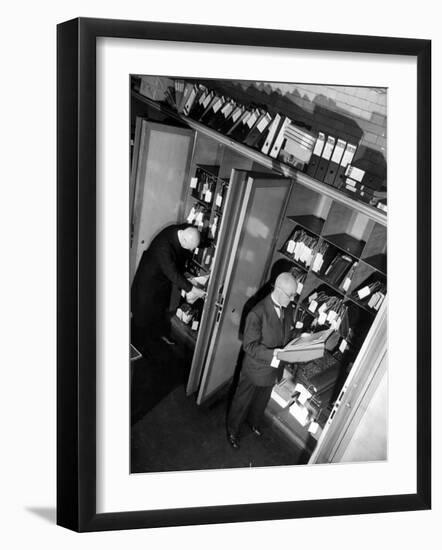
point(268, 328)
point(161, 267)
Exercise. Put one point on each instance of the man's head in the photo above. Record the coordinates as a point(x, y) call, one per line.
point(285, 288)
point(189, 238)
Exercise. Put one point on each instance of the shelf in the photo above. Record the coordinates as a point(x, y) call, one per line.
point(378, 262)
point(270, 163)
point(311, 223)
point(303, 267)
point(208, 205)
point(346, 243)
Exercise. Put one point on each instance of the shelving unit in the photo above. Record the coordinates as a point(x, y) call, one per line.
point(338, 224)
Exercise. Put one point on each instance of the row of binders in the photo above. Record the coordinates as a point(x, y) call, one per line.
point(325, 157)
point(331, 163)
point(275, 135)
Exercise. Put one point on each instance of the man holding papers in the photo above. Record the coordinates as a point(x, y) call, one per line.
point(269, 327)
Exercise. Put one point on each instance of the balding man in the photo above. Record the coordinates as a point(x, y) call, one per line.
point(268, 328)
point(161, 268)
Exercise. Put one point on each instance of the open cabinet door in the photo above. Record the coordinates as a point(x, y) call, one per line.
point(247, 245)
point(160, 163)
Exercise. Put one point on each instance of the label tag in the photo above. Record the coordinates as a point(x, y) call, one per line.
point(195, 325)
point(299, 324)
point(299, 288)
point(275, 362)
point(179, 314)
point(364, 292)
point(346, 284)
point(193, 183)
point(319, 144)
point(313, 305)
point(322, 318)
point(343, 345)
point(219, 200)
point(208, 197)
point(291, 247)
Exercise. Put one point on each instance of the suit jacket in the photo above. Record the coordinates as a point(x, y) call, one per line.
point(264, 331)
point(161, 266)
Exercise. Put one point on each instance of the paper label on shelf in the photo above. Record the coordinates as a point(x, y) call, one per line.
point(208, 196)
point(312, 296)
point(350, 182)
point(348, 155)
point(179, 314)
point(355, 173)
point(313, 305)
point(195, 325)
point(291, 247)
point(219, 200)
point(193, 183)
point(236, 114)
point(373, 300)
point(322, 318)
point(322, 308)
point(364, 292)
point(208, 258)
point(319, 144)
point(299, 288)
point(275, 362)
point(343, 345)
point(338, 151)
point(207, 100)
point(346, 284)
point(199, 218)
point(299, 324)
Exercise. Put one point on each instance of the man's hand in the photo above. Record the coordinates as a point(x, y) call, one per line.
point(194, 294)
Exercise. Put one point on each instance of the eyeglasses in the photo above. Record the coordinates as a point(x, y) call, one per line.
point(289, 296)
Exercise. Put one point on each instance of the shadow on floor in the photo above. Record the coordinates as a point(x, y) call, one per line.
point(171, 433)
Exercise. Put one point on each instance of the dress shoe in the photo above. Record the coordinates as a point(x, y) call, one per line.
point(233, 441)
point(256, 431)
point(168, 340)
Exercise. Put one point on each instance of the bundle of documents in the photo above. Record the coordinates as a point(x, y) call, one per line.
point(301, 246)
point(306, 347)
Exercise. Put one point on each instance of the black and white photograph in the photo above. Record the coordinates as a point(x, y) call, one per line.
point(258, 273)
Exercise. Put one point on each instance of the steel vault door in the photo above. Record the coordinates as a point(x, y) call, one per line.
point(248, 242)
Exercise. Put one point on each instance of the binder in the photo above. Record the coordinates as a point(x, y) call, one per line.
point(257, 131)
point(235, 129)
point(325, 158)
point(219, 117)
point(347, 159)
point(335, 161)
point(231, 119)
point(201, 105)
point(279, 138)
point(215, 104)
point(271, 134)
point(317, 152)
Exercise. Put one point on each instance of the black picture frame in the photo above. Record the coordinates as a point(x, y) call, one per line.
point(76, 273)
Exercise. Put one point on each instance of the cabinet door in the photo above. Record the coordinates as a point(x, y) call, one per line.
point(161, 162)
point(248, 246)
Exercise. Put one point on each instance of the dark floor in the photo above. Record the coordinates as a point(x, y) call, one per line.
point(170, 432)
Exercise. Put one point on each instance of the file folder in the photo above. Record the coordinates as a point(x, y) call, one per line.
point(317, 152)
point(347, 159)
point(325, 158)
point(335, 162)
